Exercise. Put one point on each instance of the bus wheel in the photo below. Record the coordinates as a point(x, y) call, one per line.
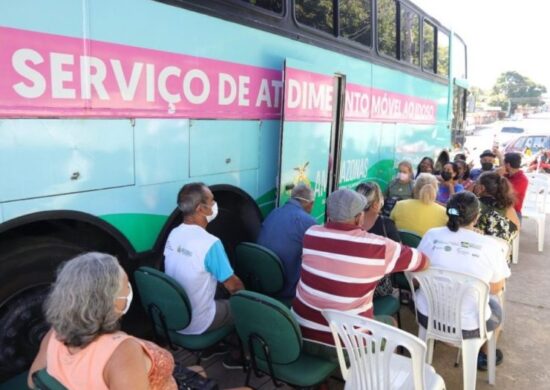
point(28, 268)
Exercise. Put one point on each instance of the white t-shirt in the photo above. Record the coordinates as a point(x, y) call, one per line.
point(197, 261)
point(467, 252)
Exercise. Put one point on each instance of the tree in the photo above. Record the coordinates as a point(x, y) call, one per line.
point(514, 88)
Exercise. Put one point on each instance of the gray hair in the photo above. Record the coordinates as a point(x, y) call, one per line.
point(303, 192)
point(190, 196)
point(425, 188)
point(81, 305)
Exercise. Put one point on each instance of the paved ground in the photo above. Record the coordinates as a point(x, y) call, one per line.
point(525, 340)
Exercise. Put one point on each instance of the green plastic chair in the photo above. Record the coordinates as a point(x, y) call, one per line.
point(270, 333)
point(168, 307)
point(44, 381)
point(387, 305)
point(18, 382)
point(259, 268)
point(410, 239)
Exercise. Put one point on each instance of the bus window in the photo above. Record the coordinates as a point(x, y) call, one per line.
point(459, 58)
point(270, 5)
point(386, 11)
point(410, 36)
point(316, 14)
point(442, 54)
point(428, 54)
point(355, 20)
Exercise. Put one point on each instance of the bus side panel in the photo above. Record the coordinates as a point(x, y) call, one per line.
point(415, 140)
point(267, 170)
point(223, 146)
point(162, 150)
point(360, 144)
point(51, 157)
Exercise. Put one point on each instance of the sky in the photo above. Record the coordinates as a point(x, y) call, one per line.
point(501, 35)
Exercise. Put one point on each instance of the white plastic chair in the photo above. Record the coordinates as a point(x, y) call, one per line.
point(445, 291)
point(374, 365)
point(534, 205)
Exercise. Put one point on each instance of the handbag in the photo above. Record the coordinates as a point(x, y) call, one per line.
point(191, 380)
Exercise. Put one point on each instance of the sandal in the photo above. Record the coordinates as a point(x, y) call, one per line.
point(482, 361)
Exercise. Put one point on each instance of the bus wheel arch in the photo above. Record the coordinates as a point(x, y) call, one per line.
point(239, 219)
point(31, 249)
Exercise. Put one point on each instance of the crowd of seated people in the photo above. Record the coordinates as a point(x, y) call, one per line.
point(336, 265)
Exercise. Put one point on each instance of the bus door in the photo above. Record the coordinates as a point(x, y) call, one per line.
point(311, 132)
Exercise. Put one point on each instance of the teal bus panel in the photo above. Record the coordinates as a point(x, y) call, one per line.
point(51, 157)
point(223, 146)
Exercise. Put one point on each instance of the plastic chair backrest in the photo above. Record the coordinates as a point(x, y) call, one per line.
point(537, 192)
point(445, 291)
point(260, 315)
point(370, 346)
point(259, 268)
point(158, 289)
point(409, 238)
point(44, 381)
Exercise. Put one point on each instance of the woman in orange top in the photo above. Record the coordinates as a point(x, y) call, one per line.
point(84, 348)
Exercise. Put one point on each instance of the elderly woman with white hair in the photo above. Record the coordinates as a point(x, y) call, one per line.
point(421, 213)
point(84, 348)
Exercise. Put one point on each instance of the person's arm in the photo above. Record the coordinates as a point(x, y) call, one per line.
point(127, 367)
point(233, 284)
point(496, 288)
point(391, 230)
point(404, 258)
point(217, 263)
point(40, 359)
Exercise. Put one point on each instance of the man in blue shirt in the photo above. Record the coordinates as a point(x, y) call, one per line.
point(283, 232)
point(487, 160)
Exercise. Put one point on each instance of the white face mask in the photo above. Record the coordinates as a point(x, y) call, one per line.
point(403, 176)
point(128, 299)
point(211, 217)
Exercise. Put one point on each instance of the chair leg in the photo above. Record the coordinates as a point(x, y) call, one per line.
point(541, 223)
point(515, 250)
point(430, 353)
point(491, 358)
point(470, 350)
point(458, 355)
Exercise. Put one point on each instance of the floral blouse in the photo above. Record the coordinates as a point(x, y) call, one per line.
point(492, 222)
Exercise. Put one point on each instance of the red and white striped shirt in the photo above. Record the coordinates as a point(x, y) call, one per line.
point(341, 266)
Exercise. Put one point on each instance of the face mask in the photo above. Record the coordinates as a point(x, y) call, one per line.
point(403, 176)
point(486, 166)
point(211, 217)
point(128, 300)
point(446, 176)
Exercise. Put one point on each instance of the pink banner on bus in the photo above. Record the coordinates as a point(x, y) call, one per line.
point(46, 75)
point(51, 75)
point(309, 97)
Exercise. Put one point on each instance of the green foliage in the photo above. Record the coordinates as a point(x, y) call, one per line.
point(512, 87)
point(315, 13)
point(355, 20)
point(387, 27)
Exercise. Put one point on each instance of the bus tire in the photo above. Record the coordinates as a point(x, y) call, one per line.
point(28, 268)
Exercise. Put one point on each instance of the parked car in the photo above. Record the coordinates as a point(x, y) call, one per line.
point(508, 133)
point(529, 145)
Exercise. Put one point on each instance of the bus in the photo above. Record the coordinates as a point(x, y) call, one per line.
point(108, 107)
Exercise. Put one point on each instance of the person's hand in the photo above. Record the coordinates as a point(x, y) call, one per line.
point(501, 170)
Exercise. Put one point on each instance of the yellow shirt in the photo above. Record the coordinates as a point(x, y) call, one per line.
point(418, 217)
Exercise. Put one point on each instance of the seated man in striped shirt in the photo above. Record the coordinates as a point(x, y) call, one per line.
point(341, 266)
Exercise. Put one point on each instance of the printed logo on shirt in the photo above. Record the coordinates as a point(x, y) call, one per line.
point(184, 251)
